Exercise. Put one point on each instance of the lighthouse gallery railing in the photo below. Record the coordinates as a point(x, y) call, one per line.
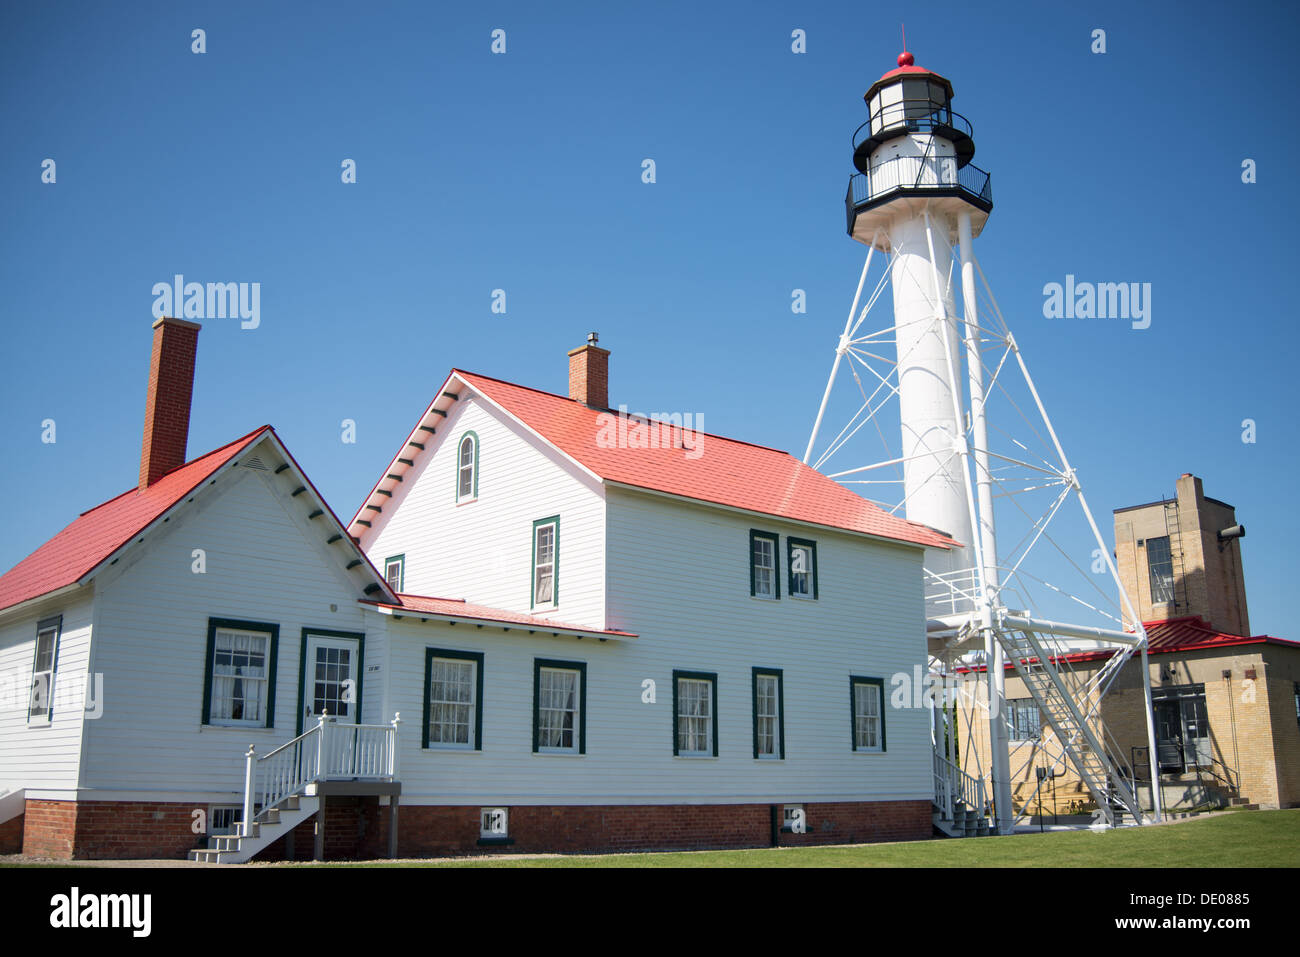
point(919, 172)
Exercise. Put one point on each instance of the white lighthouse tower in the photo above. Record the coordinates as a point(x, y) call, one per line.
point(916, 183)
point(918, 201)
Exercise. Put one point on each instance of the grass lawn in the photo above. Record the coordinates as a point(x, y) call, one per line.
point(1244, 839)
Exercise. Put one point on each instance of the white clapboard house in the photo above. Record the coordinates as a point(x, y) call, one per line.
point(549, 626)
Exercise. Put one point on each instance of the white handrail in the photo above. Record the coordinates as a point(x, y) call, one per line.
point(952, 783)
point(328, 751)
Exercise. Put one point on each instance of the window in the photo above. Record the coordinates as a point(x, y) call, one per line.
point(395, 572)
point(801, 557)
point(222, 819)
point(467, 467)
point(494, 823)
point(867, 697)
point(794, 819)
point(546, 560)
point(695, 710)
point(453, 700)
point(559, 707)
point(1297, 702)
point(769, 714)
point(764, 572)
point(1160, 561)
point(1023, 719)
point(240, 679)
point(40, 705)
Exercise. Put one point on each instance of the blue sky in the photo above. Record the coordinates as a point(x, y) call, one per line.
point(522, 172)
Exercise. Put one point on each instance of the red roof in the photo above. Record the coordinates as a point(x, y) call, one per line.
point(98, 533)
point(718, 470)
point(460, 609)
point(1192, 633)
point(1170, 635)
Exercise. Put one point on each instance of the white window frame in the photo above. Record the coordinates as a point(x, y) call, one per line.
point(261, 720)
point(470, 493)
point(471, 721)
point(861, 714)
point(493, 823)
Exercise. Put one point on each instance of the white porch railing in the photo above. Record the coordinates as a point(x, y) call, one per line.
point(952, 784)
point(328, 752)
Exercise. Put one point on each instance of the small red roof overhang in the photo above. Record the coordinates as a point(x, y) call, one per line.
point(461, 610)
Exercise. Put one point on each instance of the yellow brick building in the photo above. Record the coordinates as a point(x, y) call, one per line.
point(1226, 704)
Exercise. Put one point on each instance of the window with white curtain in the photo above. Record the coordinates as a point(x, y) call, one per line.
point(452, 690)
point(868, 714)
point(767, 715)
point(695, 702)
point(558, 713)
point(239, 677)
point(762, 566)
point(546, 547)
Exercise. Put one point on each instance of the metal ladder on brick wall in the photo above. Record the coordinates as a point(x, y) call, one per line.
point(1173, 529)
point(1081, 742)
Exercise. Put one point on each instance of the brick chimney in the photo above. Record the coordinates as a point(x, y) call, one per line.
point(589, 374)
point(167, 408)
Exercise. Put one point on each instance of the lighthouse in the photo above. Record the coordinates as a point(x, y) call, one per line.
point(948, 364)
point(949, 360)
point(917, 197)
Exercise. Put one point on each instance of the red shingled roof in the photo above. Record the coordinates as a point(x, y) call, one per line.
point(95, 535)
point(460, 609)
point(724, 472)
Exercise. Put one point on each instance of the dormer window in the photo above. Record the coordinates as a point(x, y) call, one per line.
point(467, 468)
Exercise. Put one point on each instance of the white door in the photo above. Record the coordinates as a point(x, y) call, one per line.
point(331, 686)
point(331, 683)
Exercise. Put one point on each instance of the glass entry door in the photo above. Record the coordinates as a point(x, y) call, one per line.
point(330, 680)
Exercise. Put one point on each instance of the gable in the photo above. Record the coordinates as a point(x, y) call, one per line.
point(99, 538)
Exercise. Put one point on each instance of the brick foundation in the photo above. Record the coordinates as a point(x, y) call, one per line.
point(358, 828)
point(425, 830)
point(109, 830)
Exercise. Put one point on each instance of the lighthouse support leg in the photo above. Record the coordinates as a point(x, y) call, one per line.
point(999, 746)
point(839, 352)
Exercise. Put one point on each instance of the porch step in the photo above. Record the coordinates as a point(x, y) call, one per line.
point(274, 824)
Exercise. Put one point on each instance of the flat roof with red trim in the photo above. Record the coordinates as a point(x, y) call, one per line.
point(96, 534)
point(718, 470)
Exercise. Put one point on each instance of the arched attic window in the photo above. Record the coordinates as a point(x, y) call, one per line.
point(467, 467)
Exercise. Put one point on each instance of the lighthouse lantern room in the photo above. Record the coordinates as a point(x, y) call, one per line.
point(912, 146)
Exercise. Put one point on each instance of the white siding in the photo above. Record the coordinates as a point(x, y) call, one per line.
point(265, 563)
point(39, 755)
point(678, 575)
point(481, 551)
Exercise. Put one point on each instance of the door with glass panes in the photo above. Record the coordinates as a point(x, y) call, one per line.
point(332, 686)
